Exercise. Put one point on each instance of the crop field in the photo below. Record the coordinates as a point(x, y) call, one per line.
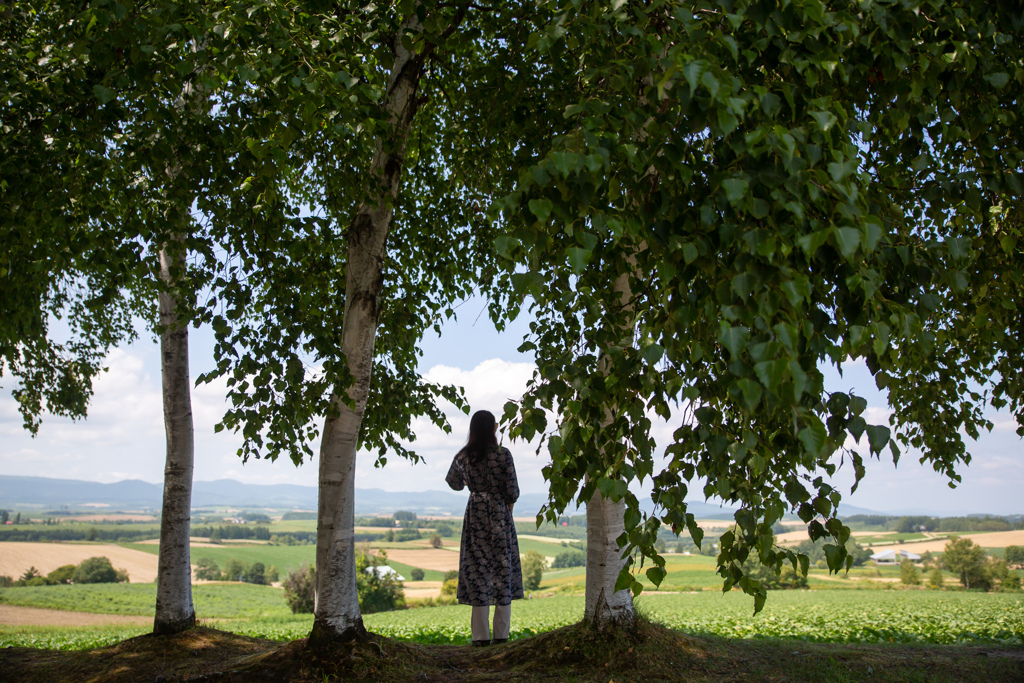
point(16, 557)
point(936, 617)
point(285, 557)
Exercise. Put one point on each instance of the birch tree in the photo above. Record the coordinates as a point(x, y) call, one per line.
point(809, 206)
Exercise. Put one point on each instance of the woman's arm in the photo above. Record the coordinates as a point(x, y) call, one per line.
point(456, 479)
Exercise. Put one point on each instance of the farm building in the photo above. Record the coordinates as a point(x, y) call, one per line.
point(385, 572)
point(894, 556)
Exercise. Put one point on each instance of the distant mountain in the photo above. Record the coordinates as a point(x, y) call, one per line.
point(135, 494)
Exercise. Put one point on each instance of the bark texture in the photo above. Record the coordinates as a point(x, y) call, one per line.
point(337, 615)
point(604, 605)
point(174, 609)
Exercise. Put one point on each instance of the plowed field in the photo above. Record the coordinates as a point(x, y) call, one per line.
point(16, 557)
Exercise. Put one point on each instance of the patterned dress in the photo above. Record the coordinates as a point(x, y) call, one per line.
point(489, 570)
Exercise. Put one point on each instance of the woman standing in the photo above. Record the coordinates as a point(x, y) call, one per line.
point(489, 570)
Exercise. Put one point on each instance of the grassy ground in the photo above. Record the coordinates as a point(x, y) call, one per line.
point(575, 654)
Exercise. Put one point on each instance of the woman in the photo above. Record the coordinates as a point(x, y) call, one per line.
point(489, 571)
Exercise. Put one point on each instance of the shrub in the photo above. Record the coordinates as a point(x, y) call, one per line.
point(909, 574)
point(445, 529)
point(207, 569)
point(417, 574)
point(234, 570)
point(256, 574)
point(273, 575)
point(300, 589)
point(377, 592)
point(95, 570)
point(451, 574)
point(1010, 583)
point(935, 578)
point(62, 574)
point(450, 587)
point(6, 581)
point(1014, 556)
point(533, 570)
point(436, 542)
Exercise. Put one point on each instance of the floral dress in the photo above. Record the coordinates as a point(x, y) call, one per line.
point(489, 569)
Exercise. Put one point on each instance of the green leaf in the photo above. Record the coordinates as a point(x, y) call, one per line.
point(103, 93)
point(878, 437)
point(735, 189)
point(825, 119)
point(541, 208)
point(997, 80)
point(771, 373)
point(813, 437)
point(847, 239)
point(750, 392)
point(653, 353)
point(578, 258)
point(656, 575)
point(734, 339)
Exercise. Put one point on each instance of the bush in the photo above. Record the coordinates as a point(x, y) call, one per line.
point(570, 558)
point(533, 570)
point(909, 574)
point(62, 574)
point(273, 575)
point(436, 542)
point(417, 574)
point(1014, 556)
point(6, 581)
point(451, 574)
point(1010, 583)
point(445, 529)
point(95, 570)
point(207, 570)
point(450, 587)
point(377, 592)
point(234, 570)
point(300, 589)
point(935, 578)
point(255, 574)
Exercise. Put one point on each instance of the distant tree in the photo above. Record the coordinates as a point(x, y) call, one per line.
point(416, 574)
point(451, 574)
point(436, 542)
point(935, 578)
point(405, 516)
point(92, 534)
point(17, 518)
point(207, 569)
point(1011, 582)
point(533, 569)
point(95, 570)
point(122, 576)
point(273, 574)
point(927, 558)
point(215, 535)
point(29, 574)
point(62, 574)
point(659, 545)
point(233, 570)
point(403, 535)
point(445, 529)
point(569, 558)
point(6, 581)
point(1014, 556)
point(4, 516)
point(909, 574)
point(300, 589)
point(967, 559)
point(255, 573)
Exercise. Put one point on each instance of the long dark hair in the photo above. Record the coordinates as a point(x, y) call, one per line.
point(481, 436)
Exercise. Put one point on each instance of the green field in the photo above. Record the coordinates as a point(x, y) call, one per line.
point(937, 617)
point(223, 601)
point(285, 557)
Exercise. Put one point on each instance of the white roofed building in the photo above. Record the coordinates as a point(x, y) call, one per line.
point(894, 556)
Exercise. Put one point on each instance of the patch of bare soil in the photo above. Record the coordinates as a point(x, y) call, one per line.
point(428, 558)
point(13, 615)
point(16, 557)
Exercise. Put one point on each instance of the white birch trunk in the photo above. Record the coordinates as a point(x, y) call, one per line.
point(174, 609)
point(337, 615)
point(604, 605)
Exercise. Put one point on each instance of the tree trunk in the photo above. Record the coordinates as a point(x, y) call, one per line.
point(604, 606)
point(337, 615)
point(174, 609)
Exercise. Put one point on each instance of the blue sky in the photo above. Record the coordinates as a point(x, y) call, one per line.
point(123, 437)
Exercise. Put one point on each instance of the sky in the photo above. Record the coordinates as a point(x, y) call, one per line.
point(123, 436)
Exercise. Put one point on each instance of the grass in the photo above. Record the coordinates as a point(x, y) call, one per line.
point(230, 600)
point(285, 557)
point(406, 571)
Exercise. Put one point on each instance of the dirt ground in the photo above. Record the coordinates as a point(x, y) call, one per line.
point(12, 615)
point(428, 558)
point(578, 653)
point(16, 557)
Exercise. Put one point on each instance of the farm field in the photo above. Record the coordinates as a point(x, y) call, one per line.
point(16, 557)
point(909, 617)
point(986, 539)
point(285, 557)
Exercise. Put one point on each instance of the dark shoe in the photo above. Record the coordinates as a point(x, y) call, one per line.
point(499, 641)
point(481, 643)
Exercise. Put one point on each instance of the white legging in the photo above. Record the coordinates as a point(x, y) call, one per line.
point(502, 621)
